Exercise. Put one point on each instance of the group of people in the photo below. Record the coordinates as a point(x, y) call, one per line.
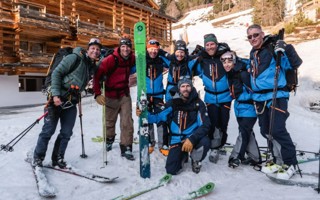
point(187, 126)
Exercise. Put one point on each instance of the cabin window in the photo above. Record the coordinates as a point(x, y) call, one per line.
point(101, 24)
point(30, 83)
point(32, 8)
point(127, 30)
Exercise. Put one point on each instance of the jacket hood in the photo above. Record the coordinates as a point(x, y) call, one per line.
point(79, 51)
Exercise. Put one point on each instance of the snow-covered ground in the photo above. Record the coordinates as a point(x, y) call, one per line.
point(17, 182)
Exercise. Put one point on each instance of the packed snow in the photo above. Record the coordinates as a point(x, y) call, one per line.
point(17, 181)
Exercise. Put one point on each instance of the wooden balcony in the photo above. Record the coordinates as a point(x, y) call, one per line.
point(30, 19)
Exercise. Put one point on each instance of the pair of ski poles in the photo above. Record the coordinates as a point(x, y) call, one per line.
point(9, 146)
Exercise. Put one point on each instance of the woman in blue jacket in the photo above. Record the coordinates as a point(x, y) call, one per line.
point(239, 83)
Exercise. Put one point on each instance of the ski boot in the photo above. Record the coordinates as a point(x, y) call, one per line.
point(126, 151)
point(164, 150)
point(196, 166)
point(234, 162)
point(109, 142)
point(60, 162)
point(214, 155)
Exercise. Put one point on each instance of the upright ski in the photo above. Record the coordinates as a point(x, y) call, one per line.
point(45, 189)
point(140, 53)
point(202, 191)
point(163, 181)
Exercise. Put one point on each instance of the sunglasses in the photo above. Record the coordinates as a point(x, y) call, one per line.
point(255, 35)
point(154, 42)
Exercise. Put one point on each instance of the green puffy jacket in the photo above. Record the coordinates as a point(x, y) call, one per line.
point(67, 73)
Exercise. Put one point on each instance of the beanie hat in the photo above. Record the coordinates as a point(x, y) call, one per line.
point(210, 38)
point(153, 43)
point(95, 41)
point(125, 41)
point(184, 79)
point(180, 45)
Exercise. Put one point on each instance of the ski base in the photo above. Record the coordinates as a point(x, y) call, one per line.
point(83, 174)
point(307, 180)
point(202, 191)
point(45, 189)
point(163, 181)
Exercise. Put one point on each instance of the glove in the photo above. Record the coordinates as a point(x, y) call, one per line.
point(138, 112)
point(187, 146)
point(101, 100)
point(280, 46)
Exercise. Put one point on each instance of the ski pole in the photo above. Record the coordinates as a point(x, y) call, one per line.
point(83, 155)
point(318, 189)
point(274, 95)
point(9, 148)
point(104, 129)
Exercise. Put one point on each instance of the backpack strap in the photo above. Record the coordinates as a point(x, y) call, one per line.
point(113, 69)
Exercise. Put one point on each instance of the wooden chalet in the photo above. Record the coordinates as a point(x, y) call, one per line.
point(31, 31)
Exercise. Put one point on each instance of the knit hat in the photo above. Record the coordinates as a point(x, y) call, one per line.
point(210, 38)
point(95, 41)
point(153, 43)
point(125, 41)
point(184, 79)
point(180, 45)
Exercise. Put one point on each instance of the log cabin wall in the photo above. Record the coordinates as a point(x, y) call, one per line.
point(31, 31)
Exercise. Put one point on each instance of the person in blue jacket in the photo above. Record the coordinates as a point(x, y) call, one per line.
point(262, 74)
point(180, 64)
point(217, 94)
point(239, 83)
point(155, 92)
point(188, 121)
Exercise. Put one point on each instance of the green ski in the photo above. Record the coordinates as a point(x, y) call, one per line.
point(140, 53)
point(202, 191)
point(163, 181)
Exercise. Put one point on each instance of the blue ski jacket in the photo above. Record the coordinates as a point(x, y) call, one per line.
point(213, 75)
point(154, 73)
point(185, 119)
point(176, 70)
point(262, 73)
point(239, 82)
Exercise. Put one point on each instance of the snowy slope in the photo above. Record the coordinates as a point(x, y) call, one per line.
point(17, 182)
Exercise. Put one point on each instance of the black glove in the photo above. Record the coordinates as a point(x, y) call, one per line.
point(162, 53)
point(280, 46)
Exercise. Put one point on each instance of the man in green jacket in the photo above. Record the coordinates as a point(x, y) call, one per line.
point(69, 79)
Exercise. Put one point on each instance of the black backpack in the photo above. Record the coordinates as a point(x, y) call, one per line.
point(294, 60)
point(57, 57)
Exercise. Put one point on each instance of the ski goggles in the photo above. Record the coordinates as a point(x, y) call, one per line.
point(228, 58)
point(184, 77)
point(154, 42)
point(255, 35)
point(126, 42)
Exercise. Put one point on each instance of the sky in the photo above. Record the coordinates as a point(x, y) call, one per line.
point(17, 181)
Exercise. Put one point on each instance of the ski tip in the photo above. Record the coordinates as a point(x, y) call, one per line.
point(210, 186)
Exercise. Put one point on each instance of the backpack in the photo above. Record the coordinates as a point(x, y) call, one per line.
point(294, 60)
point(56, 59)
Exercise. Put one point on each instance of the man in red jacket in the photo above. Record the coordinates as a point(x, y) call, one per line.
point(115, 69)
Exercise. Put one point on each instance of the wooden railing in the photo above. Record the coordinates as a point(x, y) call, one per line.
point(46, 20)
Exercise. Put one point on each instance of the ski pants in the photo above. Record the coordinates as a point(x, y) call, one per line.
point(155, 106)
point(177, 157)
point(280, 143)
point(219, 115)
point(123, 107)
point(67, 119)
point(246, 141)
